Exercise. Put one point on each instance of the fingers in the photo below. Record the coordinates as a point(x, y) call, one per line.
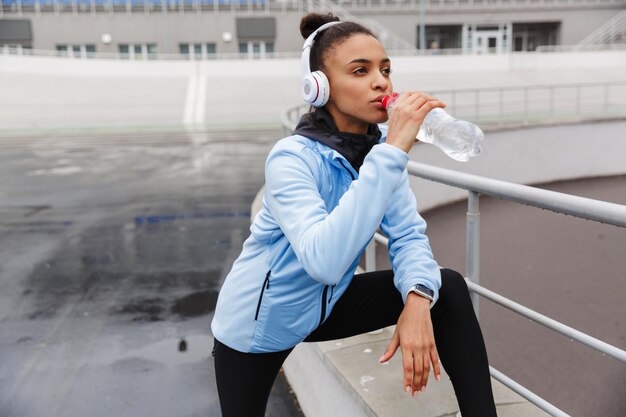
point(416, 105)
point(409, 111)
point(407, 367)
point(391, 349)
point(414, 335)
point(412, 95)
point(421, 371)
point(425, 371)
point(416, 98)
point(417, 374)
point(434, 357)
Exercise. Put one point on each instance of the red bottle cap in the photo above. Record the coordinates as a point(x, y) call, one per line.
point(386, 100)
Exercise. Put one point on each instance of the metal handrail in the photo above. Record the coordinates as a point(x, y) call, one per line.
point(586, 208)
point(526, 393)
point(605, 34)
point(552, 324)
point(582, 207)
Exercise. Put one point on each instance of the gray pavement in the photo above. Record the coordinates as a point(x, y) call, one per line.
point(112, 253)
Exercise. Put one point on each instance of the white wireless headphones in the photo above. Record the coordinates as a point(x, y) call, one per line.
point(315, 88)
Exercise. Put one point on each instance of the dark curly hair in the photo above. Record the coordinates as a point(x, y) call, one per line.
point(330, 37)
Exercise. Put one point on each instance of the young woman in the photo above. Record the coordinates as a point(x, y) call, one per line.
point(328, 188)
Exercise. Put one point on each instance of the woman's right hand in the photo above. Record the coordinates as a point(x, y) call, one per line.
point(409, 111)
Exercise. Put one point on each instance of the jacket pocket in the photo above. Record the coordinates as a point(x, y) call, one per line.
point(266, 284)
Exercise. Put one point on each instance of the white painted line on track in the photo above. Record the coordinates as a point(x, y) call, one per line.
point(190, 100)
point(200, 110)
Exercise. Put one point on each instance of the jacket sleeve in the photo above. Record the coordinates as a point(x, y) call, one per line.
point(409, 251)
point(326, 244)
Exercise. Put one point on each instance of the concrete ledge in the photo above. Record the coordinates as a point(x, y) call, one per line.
point(343, 378)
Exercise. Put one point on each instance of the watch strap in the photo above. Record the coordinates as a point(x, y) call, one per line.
point(423, 291)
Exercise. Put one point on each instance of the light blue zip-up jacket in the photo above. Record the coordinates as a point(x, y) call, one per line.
point(318, 216)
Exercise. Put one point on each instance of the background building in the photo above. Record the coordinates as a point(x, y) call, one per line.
point(202, 29)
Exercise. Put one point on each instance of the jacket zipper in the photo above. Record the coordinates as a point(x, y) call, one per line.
point(266, 284)
point(349, 172)
point(322, 316)
point(332, 291)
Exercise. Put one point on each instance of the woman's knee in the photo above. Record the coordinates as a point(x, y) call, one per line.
point(453, 285)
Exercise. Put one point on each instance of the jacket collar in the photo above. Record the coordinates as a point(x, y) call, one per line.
point(320, 126)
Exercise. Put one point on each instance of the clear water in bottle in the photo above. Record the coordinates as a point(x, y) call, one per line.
point(459, 139)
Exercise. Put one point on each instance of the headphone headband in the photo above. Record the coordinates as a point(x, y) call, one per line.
point(308, 44)
point(315, 88)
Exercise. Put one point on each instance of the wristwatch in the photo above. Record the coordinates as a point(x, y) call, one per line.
point(423, 291)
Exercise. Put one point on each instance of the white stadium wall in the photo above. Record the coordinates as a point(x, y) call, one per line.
point(47, 92)
point(50, 92)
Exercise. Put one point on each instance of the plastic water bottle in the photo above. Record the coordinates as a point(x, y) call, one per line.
point(459, 139)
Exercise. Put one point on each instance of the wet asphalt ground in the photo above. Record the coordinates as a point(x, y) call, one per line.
point(112, 252)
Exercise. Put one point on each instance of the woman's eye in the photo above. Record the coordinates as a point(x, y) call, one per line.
point(360, 70)
point(387, 71)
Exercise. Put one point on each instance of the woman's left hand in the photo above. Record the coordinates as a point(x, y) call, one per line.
point(414, 334)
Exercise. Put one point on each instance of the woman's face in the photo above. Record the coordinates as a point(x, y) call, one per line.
point(358, 72)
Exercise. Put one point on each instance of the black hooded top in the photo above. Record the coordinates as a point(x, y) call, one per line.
point(320, 126)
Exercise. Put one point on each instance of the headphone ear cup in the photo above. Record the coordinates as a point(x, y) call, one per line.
point(309, 89)
point(323, 88)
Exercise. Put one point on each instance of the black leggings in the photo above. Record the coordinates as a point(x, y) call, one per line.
point(371, 302)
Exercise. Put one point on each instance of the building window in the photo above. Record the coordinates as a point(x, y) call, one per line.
point(211, 50)
point(256, 49)
point(441, 37)
point(76, 51)
point(90, 50)
point(528, 36)
point(124, 51)
point(493, 38)
point(152, 51)
point(15, 50)
point(197, 50)
point(62, 50)
point(16, 35)
point(256, 36)
point(138, 51)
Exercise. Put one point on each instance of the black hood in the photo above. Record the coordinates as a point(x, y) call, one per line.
point(320, 126)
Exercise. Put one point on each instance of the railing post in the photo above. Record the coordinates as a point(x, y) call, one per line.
point(472, 247)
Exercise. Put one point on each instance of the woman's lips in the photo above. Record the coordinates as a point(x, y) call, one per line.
point(380, 97)
point(378, 104)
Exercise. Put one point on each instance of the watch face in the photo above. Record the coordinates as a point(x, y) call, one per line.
point(424, 289)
